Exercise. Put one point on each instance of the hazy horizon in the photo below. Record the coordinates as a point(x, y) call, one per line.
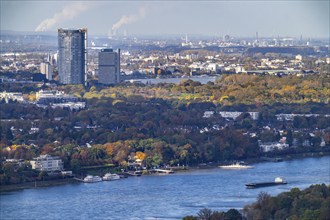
point(309, 19)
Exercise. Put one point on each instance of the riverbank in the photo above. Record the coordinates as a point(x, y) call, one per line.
point(275, 159)
point(36, 184)
point(290, 156)
point(15, 187)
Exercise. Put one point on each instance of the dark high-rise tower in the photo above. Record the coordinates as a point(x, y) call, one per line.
point(109, 66)
point(72, 44)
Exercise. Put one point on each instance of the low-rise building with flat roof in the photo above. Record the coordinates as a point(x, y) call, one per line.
point(13, 96)
point(47, 163)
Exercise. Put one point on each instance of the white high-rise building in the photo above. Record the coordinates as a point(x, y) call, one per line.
point(46, 68)
point(109, 66)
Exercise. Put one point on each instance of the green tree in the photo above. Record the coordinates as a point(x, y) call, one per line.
point(42, 175)
point(75, 165)
point(232, 214)
point(311, 214)
point(190, 217)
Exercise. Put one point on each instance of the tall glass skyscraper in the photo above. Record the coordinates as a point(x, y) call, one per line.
point(72, 61)
point(109, 66)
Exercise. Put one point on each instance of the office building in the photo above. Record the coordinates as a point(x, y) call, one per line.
point(72, 60)
point(46, 68)
point(109, 66)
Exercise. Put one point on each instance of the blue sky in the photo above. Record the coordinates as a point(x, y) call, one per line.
point(214, 18)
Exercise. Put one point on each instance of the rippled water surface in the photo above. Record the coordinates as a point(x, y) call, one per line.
point(163, 196)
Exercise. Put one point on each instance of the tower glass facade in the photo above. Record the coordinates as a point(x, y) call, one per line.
point(72, 56)
point(109, 66)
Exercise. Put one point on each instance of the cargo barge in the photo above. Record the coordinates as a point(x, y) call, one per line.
point(278, 181)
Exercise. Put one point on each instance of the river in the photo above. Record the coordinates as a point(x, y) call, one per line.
point(161, 196)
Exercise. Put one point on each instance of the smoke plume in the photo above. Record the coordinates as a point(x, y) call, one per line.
point(129, 19)
point(68, 12)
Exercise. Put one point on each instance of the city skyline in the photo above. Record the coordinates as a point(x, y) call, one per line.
point(212, 18)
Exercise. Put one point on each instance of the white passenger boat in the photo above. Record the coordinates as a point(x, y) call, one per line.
point(236, 166)
point(92, 179)
point(110, 176)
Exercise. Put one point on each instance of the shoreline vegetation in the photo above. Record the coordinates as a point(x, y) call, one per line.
point(310, 203)
point(72, 180)
point(36, 184)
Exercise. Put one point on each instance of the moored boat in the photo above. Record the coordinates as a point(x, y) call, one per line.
point(134, 173)
point(236, 166)
point(110, 176)
point(278, 181)
point(92, 179)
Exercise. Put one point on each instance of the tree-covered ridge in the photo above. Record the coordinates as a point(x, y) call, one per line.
point(228, 90)
point(165, 123)
point(312, 203)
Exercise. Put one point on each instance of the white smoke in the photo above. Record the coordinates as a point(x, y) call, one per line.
point(68, 12)
point(129, 19)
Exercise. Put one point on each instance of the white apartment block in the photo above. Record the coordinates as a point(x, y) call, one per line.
point(70, 105)
point(267, 147)
point(14, 96)
point(208, 114)
point(47, 163)
point(46, 94)
point(234, 115)
point(54, 95)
